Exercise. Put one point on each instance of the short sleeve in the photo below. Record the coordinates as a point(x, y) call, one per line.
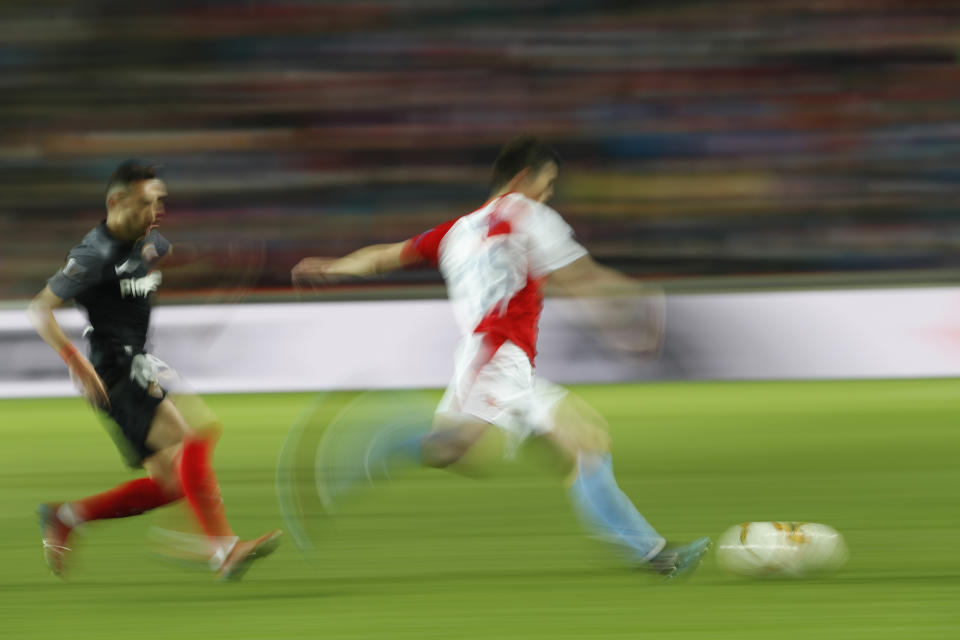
point(82, 270)
point(552, 243)
point(426, 246)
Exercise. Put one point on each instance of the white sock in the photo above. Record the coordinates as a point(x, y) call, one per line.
point(221, 549)
point(68, 515)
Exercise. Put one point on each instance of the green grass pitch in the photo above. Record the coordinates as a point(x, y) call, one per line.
point(437, 555)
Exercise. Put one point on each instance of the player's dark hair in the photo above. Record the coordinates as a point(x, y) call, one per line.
point(129, 172)
point(521, 153)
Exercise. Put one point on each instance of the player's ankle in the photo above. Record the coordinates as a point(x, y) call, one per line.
point(70, 515)
point(221, 551)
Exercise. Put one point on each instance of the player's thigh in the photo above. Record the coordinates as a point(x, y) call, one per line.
point(162, 467)
point(168, 428)
point(452, 437)
point(198, 416)
point(577, 427)
point(132, 412)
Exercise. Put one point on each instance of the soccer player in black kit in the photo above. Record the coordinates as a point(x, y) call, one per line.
point(111, 274)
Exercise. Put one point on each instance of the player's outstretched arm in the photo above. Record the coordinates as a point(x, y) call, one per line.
point(364, 263)
point(45, 323)
point(631, 314)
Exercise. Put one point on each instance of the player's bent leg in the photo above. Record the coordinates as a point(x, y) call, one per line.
point(577, 428)
point(581, 433)
point(372, 438)
point(580, 436)
point(174, 441)
point(608, 512)
point(356, 452)
point(177, 442)
point(182, 460)
point(189, 462)
point(449, 443)
point(58, 520)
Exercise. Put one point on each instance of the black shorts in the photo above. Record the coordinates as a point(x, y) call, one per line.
point(133, 406)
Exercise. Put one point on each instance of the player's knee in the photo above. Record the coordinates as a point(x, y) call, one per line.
point(580, 428)
point(439, 450)
point(593, 441)
point(164, 469)
point(169, 483)
point(572, 443)
point(597, 439)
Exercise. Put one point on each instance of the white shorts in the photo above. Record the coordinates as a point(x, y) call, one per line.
point(501, 390)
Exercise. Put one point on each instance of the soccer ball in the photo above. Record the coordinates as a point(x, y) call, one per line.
point(794, 549)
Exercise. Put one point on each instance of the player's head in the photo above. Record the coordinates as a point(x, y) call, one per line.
point(526, 165)
point(135, 196)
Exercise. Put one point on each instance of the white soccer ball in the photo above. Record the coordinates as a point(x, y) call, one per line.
point(795, 549)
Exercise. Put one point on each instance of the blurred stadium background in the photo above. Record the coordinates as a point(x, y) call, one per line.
point(702, 140)
point(711, 146)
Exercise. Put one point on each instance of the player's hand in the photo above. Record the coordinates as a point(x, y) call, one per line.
point(315, 271)
point(653, 322)
point(90, 384)
point(638, 327)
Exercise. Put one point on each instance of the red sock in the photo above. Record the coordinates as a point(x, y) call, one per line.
point(201, 489)
point(128, 499)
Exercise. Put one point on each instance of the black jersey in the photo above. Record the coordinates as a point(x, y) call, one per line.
point(113, 281)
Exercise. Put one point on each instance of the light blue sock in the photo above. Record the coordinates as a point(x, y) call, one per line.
point(608, 512)
point(394, 447)
point(409, 449)
point(366, 458)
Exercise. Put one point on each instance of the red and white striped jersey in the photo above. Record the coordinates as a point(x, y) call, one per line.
point(494, 261)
